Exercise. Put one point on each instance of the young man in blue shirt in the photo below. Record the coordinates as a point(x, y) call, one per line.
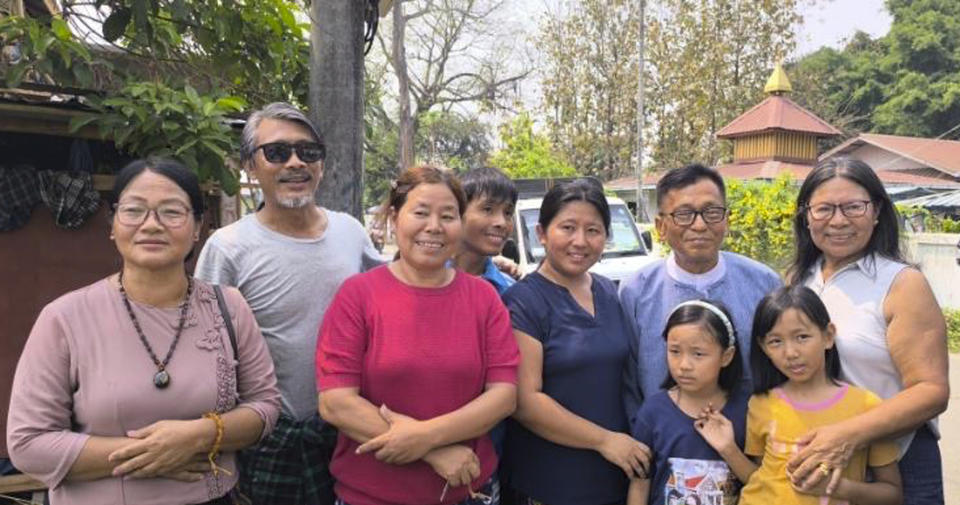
point(487, 224)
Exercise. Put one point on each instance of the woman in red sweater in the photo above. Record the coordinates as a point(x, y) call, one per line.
point(416, 361)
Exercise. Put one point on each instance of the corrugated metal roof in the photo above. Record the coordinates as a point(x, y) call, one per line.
point(946, 200)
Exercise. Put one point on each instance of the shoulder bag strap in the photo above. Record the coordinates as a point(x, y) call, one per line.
point(226, 320)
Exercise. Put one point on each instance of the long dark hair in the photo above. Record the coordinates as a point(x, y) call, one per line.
point(730, 375)
point(766, 375)
point(885, 239)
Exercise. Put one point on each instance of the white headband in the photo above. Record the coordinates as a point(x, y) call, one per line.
point(712, 308)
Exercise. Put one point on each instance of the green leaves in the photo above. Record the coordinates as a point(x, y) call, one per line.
point(255, 49)
point(147, 118)
point(48, 52)
point(527, 154)
point(761, 220)
point(906, 82)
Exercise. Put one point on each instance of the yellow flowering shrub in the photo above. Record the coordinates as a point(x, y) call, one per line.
point(761, 220)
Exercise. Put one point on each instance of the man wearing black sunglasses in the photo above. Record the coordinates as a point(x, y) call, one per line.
point(288, 259)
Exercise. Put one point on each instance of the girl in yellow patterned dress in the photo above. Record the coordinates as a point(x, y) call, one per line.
point(796, 371)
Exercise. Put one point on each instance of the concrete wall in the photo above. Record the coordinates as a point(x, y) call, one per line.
point(936, 254)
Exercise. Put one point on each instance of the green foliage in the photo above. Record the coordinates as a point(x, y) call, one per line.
point(48, 52)
point(589, 85)
point(924, 220)
point(147, 119)
point(953, 329)
point(170, 49)
point(905, 83)
point(451, 139)
point(708, 62)
point(761, 220)
point(527, 154)
point(454, 140)
point(258, 50)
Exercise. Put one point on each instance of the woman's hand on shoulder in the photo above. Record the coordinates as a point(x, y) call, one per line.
point(632, 456)
point(163, 447)
point(406, 441)
point(457, 464)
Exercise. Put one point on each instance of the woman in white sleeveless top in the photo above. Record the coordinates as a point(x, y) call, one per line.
point(890, 330)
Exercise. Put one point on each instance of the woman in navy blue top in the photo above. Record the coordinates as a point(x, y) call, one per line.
point(568, 441)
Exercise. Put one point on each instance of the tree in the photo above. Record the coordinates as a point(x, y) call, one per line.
point(842, 87)
point(588, 80)
point(905, 83)
point(257, 50)
point(171, 70)
point(336, 99)
point(453, 139)
point(445, 54)
point(527, 154)
point(706, 63)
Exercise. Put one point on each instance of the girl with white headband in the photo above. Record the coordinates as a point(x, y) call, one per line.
point(702, 399)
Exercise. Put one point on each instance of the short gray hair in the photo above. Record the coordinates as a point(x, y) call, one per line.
point(276, 110)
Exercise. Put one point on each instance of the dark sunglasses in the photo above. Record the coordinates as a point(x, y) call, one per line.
point(280, 152)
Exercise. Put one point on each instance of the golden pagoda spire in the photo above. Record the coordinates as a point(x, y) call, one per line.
point(778, 83)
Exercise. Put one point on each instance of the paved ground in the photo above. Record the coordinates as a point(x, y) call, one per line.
point(950, 443)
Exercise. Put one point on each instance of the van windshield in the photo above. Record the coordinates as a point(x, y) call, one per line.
point(623, 239)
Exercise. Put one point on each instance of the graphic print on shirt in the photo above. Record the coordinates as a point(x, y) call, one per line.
point(700, 482)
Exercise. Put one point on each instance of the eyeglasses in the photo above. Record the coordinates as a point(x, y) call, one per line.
point(710, 215)
point(824, 211)
point(279, 152)
point(170, 215)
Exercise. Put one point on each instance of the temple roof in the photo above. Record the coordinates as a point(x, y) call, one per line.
point(778, 83)
point(777, 113)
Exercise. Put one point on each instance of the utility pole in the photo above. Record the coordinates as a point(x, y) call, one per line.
point(336, 99)
point(641, 210)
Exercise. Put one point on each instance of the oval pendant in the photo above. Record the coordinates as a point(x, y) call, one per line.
point(161, 379)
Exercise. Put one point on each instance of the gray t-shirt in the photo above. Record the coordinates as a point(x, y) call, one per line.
point(288, 282)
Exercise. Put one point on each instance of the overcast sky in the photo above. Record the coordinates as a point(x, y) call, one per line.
point(830, 22)
point(826, 22)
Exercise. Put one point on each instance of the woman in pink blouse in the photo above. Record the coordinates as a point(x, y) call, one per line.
point(129, 390)
point(416, 362)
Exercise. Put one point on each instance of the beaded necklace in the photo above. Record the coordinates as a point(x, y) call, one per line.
point(162, 378)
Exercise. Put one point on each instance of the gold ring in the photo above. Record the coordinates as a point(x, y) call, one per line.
point(824, 468)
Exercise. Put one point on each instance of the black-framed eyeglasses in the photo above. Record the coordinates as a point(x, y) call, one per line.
point(824, 211)
point(710, 215)
point(280, 152)
point(170, 215)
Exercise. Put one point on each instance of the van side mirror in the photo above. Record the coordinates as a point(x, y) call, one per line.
point(647, 240)
point(511, 251)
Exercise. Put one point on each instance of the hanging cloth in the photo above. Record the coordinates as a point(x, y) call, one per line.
point(19, 193)
point(71, 197)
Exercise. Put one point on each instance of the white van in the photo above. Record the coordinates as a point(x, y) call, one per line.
point(625, 252)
